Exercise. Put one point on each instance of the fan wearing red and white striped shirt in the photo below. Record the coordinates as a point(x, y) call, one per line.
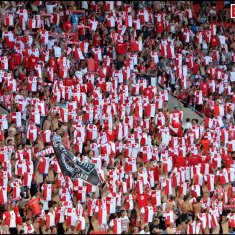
point(47, 191)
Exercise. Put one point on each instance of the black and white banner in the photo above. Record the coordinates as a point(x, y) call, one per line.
point(73, 168)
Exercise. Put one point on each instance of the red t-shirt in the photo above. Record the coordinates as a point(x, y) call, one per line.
point(17, 58)
point(69, 82)
point(33, 60)
point(205, 159)
point(96, 40)
point(206, 145)
point(11, 63)
point(142, 200)
point(23, 76)
point(148, 92)
point(194, 160)
point(214, 41)
point(205, 88)
point(121, 48)
point(156, 172)
point(7, 218)
point(181, 96)
point(177, 125)
point(207, 111)
point(53, 63)
point(160, 27)
point(228, 161)
point(110, 135)
point(195, 69)
point(153, 65)
point(181, 161)
point(90, 87)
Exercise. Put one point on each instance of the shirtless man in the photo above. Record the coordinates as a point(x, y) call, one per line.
point(48, 123)
point(178, 43)
point(36, 224)
point(55, 122)
point(224, 225)
point(170, 203)
point(205, 191)
point(51, 174)
point(55, 195)
point(95, 224)
point(186, 206)
point(180, 201)
point(197, 207)
point(216, 229)
point(171, 229)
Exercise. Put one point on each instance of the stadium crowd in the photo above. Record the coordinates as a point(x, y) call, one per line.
point(90, 72)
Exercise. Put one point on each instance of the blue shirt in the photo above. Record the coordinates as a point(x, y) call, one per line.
point(75, 18)
point(194, 28)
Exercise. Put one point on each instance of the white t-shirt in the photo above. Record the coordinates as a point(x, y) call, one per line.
point(187, 125)
point(45, 204)
point(13, 220)
point(50, 8)
point(125, 223)
point(143, 232)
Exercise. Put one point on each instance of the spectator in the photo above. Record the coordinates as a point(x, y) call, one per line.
point(87, 74)
point(187, 125)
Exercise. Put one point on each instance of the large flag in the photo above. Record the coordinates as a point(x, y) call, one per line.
point(73, 168)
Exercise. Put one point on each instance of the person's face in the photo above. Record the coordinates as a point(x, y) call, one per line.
point(20, 147)
point(146, 229)
point(172, 225)
point(12, 206)
point(55, 191)
point(51, 209)
point(224, 218)
point(10, 143)
point(135, 231)
point(123, 213)
point(28, 222)
point(156, 221)
point(90, 154)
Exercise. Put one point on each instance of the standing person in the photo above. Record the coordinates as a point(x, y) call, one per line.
point(57, 136)
point(12, 218)
point(125, 221)
point(187, 125)
point(171, 229)
point(224, 224)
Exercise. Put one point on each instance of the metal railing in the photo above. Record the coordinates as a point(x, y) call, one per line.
point(2, 105)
